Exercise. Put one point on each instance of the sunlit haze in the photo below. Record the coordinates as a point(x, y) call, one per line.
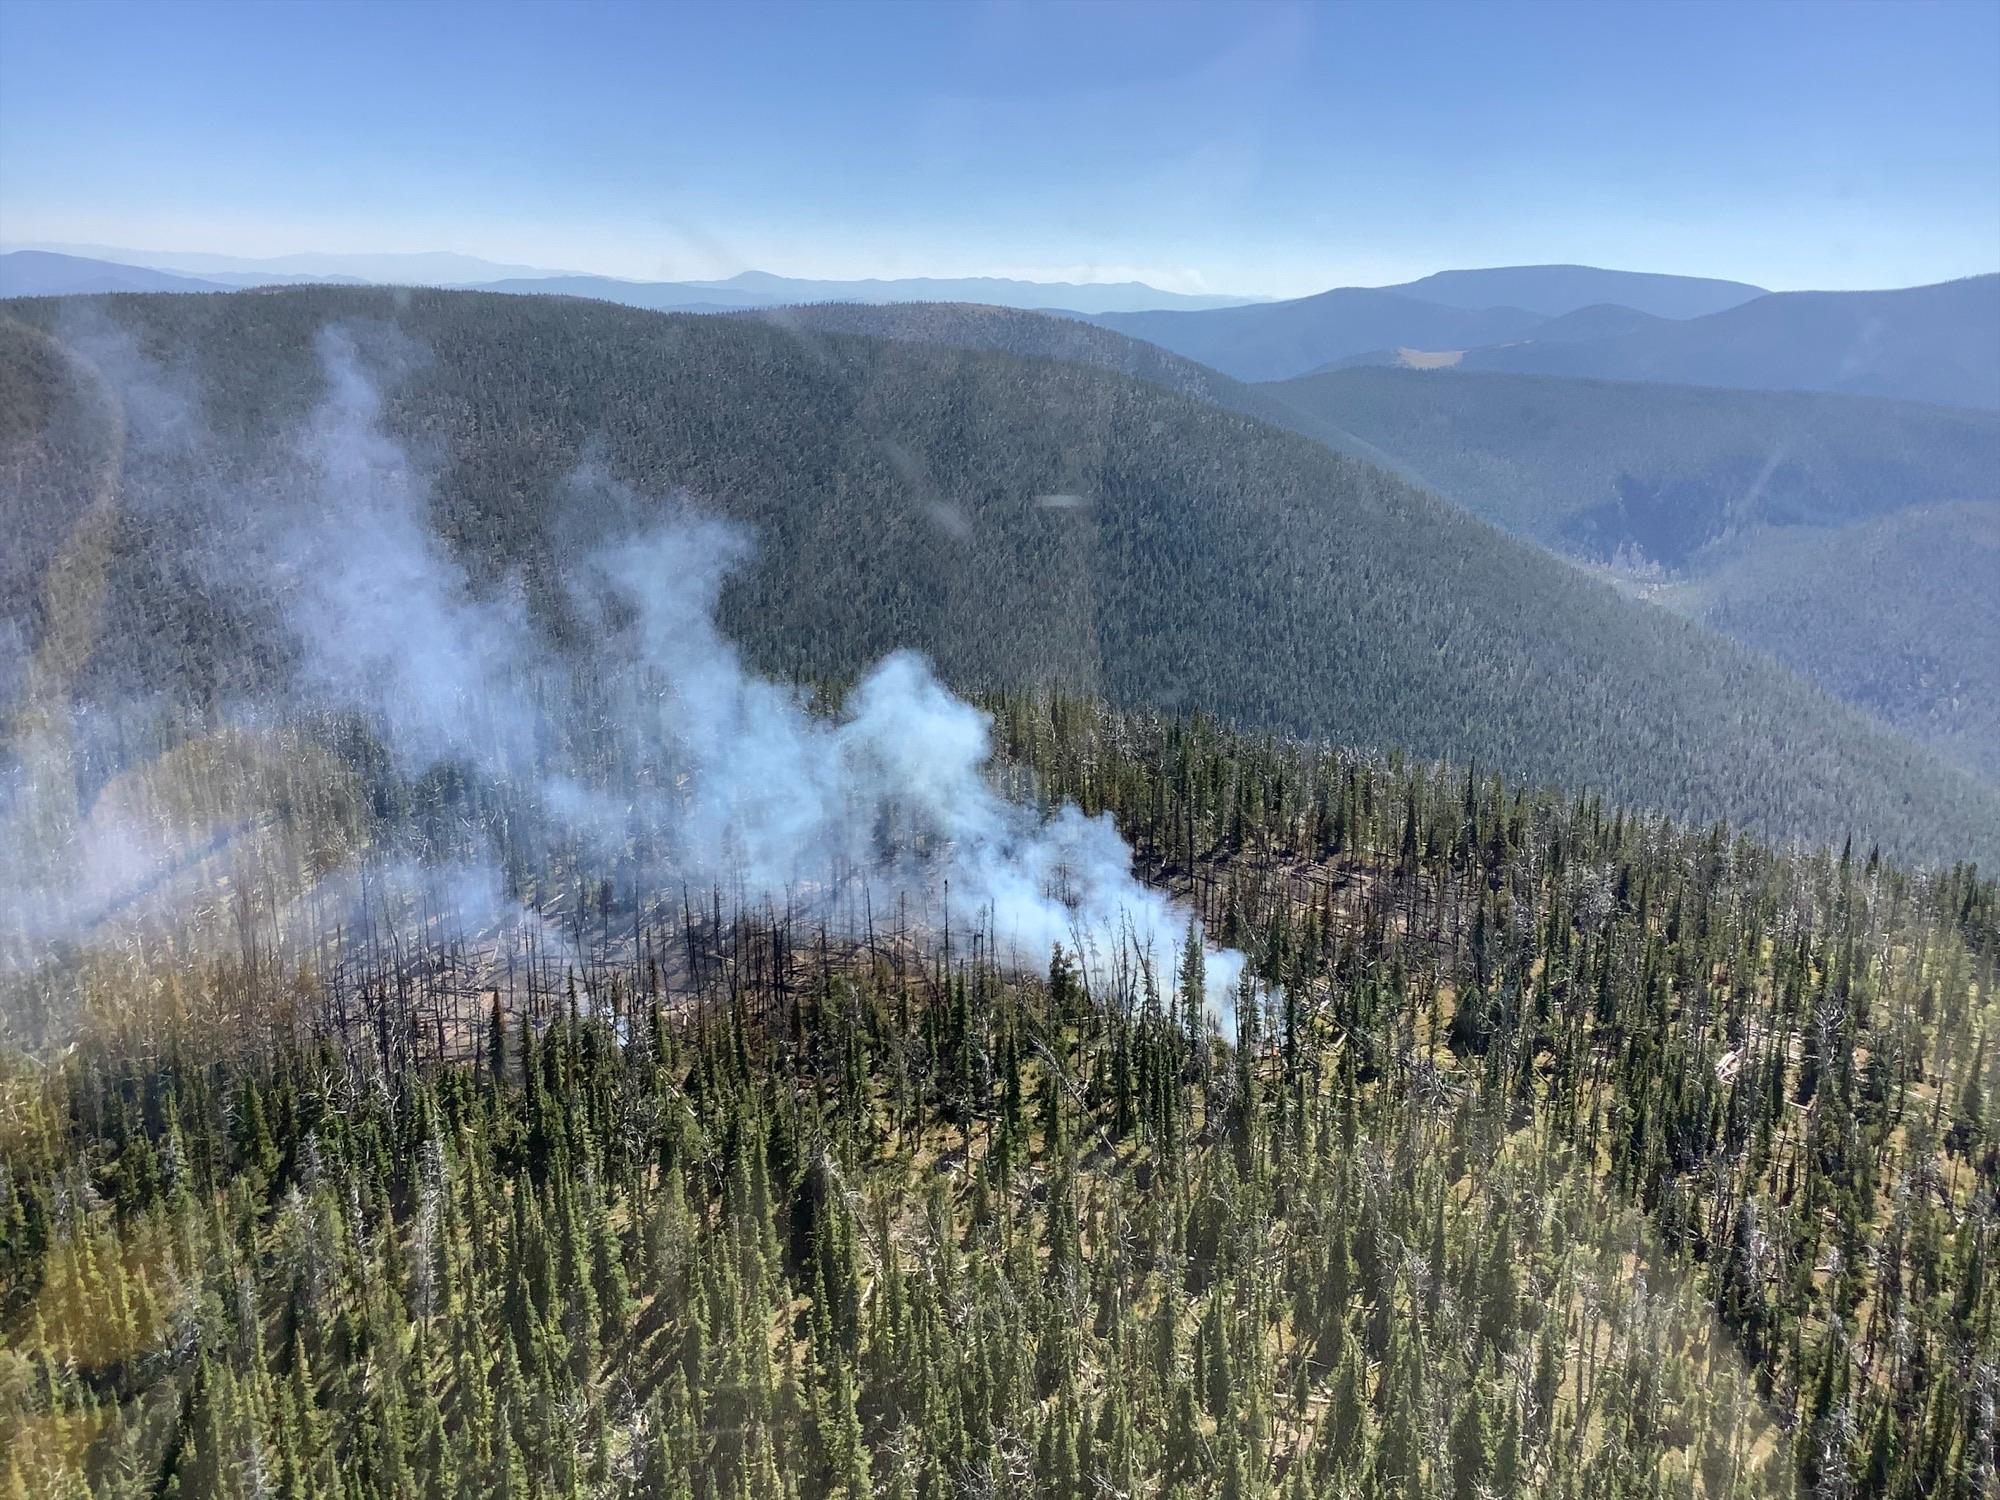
point(1263, 150)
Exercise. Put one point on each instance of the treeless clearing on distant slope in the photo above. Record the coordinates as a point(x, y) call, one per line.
point(1428, 359)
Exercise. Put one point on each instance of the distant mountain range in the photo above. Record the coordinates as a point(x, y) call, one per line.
point(1452, 311)
point(427, 268)
point(1927, 343)
point(1934, 343)
point(1554, 291)
point(1277, 340)
point(38, 273)
point(67, 269)
point(755, 289)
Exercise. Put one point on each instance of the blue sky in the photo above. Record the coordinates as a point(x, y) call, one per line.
point(1275, 148)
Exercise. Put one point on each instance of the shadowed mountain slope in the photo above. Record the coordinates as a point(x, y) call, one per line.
point(1597, 467)
point(1895, 614)
point(1775, 516)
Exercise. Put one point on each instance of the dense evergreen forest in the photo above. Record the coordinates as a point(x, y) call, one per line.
point(1850, 537)
point(1022, 331)
point(1560, 1152)
point(1599, 469)
point(1845, 535)
point(1894, 614)
point(1022, 521)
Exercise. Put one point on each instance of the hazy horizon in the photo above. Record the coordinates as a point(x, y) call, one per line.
point(221, 260)
point(1189, 147)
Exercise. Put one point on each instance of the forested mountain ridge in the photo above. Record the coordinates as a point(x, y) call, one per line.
point(1018, 520)
point(1042, 335)
point(1022, 331)
point(1036, 334)
point(1776, 517)
point(1684, 467)
point(1692, 491)
point(1895, 613)
point(760, 289)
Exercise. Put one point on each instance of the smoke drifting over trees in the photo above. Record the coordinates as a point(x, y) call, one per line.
point(640, 749)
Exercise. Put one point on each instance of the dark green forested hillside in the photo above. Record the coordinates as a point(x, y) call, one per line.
point(1019, 520)
point(1560, 1154)
point(1022, 331)
point(1896, 614)
point(1043, 335)
point(1741, 509)
point(1848, 536)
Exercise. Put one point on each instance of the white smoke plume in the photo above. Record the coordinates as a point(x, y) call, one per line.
point(383, 617)
point(656, 737)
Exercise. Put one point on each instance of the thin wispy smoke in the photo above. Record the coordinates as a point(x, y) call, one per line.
point(650, 748)
point(384, 619)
